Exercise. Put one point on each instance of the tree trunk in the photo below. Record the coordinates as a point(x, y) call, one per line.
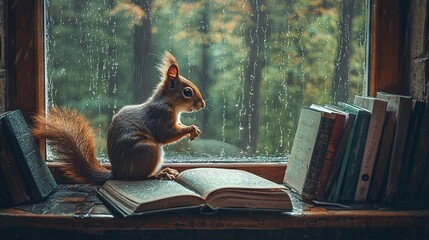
point(256, 33)
point(204, 77)
point(112, 71)
point(340, 81)
point(143, 82)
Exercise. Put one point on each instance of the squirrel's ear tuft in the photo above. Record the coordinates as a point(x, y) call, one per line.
point(167, 61)
point(169, 71)
point(173, 72)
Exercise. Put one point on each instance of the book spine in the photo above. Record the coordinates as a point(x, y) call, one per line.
point(330, 188)
point(331, 150)
point(402, 122)
point(410, 148)
point(35, 172)
point(9, 169)
point(335, 196)
point(383, 159)
point(420, 158)
point(375, 129)
point(355, 159)
point(317, 157)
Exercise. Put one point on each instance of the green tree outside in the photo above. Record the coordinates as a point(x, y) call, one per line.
point(91, 59)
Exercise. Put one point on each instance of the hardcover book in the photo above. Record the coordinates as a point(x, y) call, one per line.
point(214, 188)
point(35, 172)
point(352, 158)
point(410, 148)
point(331, 150)
point(13, 179)
point(331, 185)
point(382, 162)
point(421, 153)
point(401, 106)
point(308, 151)
point(377, 107)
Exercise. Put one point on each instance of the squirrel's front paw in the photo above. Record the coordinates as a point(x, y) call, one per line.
point(195, 132)
point(166, 173)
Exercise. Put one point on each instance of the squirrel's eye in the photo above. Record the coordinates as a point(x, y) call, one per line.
point(187, 92)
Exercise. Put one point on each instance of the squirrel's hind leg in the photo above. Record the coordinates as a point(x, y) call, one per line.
point(141, 161)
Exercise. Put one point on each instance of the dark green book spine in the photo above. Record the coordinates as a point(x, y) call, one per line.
point(37, 176)
point(14, 180)
point(330, 189)
point(342, 172)
point(355, 159)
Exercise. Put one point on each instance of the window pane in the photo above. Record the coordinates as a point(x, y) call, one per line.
point(256, 63)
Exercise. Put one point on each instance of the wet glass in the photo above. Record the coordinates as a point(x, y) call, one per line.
point(256, 63)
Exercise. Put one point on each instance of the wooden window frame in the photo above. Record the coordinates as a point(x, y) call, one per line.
point(25, 46)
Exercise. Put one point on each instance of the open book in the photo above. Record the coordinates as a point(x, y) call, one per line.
point(212, 187)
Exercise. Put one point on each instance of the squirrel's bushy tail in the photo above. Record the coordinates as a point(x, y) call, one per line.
point(72, 141)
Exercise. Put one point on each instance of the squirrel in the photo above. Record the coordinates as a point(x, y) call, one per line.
point(135, 137)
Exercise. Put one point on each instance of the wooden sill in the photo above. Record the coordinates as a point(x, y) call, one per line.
point(76, 210)
point(315, 219)
point(271, 171)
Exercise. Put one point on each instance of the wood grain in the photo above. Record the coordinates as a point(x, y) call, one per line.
point(386, 46)
point(25, 56)
point(77, 208)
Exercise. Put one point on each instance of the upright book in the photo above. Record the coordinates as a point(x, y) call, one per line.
point(421, 158)
point(214, 188)
point(382, 163)
point(401, 107)
point(331, 185)
point(308, 151)
point(377, 107)
point(13, 178)
point(414, 130)
point(331, 150)
point(353, 159)
point(37, 177)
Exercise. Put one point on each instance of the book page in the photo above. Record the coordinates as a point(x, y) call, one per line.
point(206, 180)
point(148, 190)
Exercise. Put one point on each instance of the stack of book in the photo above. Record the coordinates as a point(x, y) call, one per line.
point(24, 175)
point(374, 150)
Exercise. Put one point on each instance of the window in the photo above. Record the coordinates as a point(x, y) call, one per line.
point(256, 62)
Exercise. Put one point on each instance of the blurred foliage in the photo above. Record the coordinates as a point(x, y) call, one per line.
point(89, 60)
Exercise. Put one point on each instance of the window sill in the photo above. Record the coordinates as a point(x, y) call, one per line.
point(75, 210)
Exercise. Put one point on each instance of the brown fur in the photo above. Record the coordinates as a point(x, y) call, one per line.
point(136, 134)
point(72, 139)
